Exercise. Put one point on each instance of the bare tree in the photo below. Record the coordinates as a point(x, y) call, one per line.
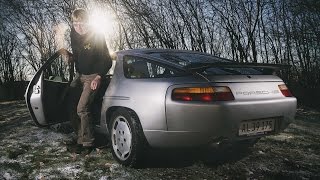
point(270, 31)
point(8, 43)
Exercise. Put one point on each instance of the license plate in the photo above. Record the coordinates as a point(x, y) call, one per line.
point(256, 127)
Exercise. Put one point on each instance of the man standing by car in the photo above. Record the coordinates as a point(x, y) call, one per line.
point(92, 62)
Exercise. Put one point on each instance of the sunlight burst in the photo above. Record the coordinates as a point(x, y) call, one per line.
point(103, 21)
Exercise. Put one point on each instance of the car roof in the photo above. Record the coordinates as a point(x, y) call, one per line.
point(150, 51)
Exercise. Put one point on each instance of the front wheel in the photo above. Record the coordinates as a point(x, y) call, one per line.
point(126, 136)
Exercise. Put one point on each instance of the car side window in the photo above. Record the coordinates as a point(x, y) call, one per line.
point(58, 71)
point(137, 68)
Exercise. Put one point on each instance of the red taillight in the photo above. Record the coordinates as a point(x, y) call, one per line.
point(204, 94)
point(223, 96)
point(284, 90)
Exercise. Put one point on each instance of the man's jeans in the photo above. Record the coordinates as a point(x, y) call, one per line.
point(81, 117)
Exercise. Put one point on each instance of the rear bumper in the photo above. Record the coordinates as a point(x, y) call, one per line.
point(191, 125)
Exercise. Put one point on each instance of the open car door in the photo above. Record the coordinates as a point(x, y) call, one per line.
point(46, 93)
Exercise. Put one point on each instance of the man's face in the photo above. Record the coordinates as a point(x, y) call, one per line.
point(80, 27)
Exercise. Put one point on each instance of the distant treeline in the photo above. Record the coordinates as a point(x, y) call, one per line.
point(268, 31)
point(13, 90)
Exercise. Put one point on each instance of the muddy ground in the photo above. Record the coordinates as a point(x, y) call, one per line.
point(30, 152)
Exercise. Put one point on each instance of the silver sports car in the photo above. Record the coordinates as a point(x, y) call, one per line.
point(170, 98)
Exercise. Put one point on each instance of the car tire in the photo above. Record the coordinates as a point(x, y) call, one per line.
point(126, 137)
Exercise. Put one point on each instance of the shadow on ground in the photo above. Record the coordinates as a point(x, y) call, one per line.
point(178, 158)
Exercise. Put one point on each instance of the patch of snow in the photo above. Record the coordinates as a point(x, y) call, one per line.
point(48, 136)
point(55, 144)
point(6, 160)
point(71, 170)
point(66, 172)
point(7, 176)
point(120, 171)
point(261, 152)
point(40, 177)
point(114, 167)
point(104, 178)
point(281, 137)
point(263, 168)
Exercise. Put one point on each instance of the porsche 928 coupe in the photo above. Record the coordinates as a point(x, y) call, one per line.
point(170, 98)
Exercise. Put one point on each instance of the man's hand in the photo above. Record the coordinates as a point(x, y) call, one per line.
point(95, 83)
point(68, 56)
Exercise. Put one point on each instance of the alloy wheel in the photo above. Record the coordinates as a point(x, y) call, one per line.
point(121, 138)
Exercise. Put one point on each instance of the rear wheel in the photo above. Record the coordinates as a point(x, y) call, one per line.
point(127, 137)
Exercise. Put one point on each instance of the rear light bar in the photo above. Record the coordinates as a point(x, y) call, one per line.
point(203, 94)
point(284, 90)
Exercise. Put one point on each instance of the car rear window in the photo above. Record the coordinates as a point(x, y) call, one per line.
point(185, 58)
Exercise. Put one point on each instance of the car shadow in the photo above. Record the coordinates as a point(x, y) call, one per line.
point(168, 158)
point(184, 157)
point(177, 158)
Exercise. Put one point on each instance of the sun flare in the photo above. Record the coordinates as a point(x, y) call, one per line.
point(103, 21)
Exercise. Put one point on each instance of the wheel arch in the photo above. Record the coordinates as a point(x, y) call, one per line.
point(110, 110)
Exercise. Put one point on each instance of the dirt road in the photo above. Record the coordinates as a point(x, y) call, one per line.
point(29, 152)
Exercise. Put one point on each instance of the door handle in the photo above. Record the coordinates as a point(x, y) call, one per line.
point(36, 89)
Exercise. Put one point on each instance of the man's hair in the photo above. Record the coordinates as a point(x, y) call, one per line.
point(80, 15)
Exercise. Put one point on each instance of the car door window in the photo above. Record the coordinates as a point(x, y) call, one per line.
point(137, 67)
point(59, 71)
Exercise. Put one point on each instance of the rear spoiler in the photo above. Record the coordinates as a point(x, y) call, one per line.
point(203, 66)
